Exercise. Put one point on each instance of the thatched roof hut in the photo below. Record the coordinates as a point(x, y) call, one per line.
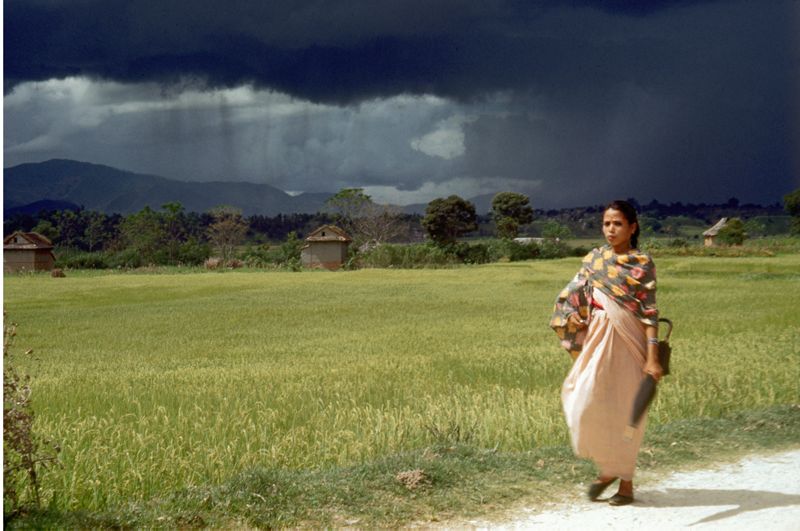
point(710, 234)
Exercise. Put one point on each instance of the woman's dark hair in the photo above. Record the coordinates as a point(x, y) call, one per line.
point(629, 212)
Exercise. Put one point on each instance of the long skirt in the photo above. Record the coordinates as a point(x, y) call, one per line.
point(599, 391)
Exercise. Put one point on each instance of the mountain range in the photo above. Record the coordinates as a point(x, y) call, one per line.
point(111, 190)
point(62, 183)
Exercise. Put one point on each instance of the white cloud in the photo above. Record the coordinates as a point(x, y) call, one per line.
point(225, 134)
point(402, 150)
point(446, 141)
point(39, 143)
point(466, 187)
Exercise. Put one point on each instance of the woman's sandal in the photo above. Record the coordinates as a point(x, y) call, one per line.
point(597, 488)
point(620, 499)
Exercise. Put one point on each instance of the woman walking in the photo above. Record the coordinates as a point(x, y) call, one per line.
point(607, 319)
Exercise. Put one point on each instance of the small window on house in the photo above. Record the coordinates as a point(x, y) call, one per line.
point(323, 233)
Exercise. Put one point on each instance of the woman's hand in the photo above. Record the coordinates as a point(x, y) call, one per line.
point(576, 320)
point(653, 368)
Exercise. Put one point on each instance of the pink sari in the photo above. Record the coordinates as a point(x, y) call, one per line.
point(599, 391)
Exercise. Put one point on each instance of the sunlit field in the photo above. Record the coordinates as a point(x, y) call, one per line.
point(152, 383)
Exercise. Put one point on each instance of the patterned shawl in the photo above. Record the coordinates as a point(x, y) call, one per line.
point(628, 279)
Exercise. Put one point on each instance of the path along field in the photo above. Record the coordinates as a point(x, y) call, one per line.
point(152, 383)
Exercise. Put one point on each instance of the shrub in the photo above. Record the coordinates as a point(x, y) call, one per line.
point(732, 233)
point(213, 263)
point(513, 251)
point(407, 256)
point(127, 258)
point(82, 260)
point(556, 249)
point(261, 256)
point(22, 448)
point(193, 252)
point(678, 242)
point(291, 249)
point(579, 250)
point(477, 253)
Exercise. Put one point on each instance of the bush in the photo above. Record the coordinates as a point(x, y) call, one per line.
point(213, 263)
point(678, 242)
point(193, 252)
point(127, 258)
point(579, 250)
point(285, 255)
point(406, 256)
point(477, 253)
point(82, 260)
point(23, 454)
point(261, 256)
point(512, 251)
point(557, 249)
point(732, 233)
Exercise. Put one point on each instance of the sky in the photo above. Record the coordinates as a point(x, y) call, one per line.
point(571, 102)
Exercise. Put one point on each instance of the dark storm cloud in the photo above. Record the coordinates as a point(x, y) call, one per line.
point(572, 101)
point(319, 51)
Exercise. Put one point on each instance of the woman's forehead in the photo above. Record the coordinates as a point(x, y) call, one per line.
point(612, 215)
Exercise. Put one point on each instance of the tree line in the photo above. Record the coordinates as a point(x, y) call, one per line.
point(171, 235)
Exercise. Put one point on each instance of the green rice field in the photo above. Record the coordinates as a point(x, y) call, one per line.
point(153, 383)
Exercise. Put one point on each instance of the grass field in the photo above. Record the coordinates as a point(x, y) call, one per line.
point(159, 384)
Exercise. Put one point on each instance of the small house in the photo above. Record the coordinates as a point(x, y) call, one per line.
point(325, 248)
point(27, 251)
point(710, 234)
point(524, 240)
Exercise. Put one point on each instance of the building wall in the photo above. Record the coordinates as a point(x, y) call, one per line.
point(27, 260)
point(328, 255)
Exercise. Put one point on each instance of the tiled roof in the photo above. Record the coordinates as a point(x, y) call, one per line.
point(328, 233)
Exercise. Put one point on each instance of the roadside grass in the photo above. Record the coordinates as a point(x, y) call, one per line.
point(278, 399)
point(458, 482)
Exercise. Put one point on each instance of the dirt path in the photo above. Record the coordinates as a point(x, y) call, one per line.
point(761, 493)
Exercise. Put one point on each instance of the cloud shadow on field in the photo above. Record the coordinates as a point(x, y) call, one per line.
point(743, 500)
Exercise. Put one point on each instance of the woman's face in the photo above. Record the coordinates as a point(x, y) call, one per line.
point(617, 230)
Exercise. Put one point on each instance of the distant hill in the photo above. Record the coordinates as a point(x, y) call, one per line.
point(37, 206)
point(111, 190)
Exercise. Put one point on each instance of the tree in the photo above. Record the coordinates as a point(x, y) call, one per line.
point(46, 229)
point(174, 228)
point(791, 203)
point(555, 230)
point(732, 233)
point(144, 233)
point(227, 230)
point(365, 221)
point(510, 210)
point(347, 205)
point(447, 219)
point(755, 227)
point(71, 227)
point(95, 233)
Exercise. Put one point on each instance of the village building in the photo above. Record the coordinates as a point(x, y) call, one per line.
point(325, 248)
point(524, 240)
point(710, 234)
point(27, 251)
